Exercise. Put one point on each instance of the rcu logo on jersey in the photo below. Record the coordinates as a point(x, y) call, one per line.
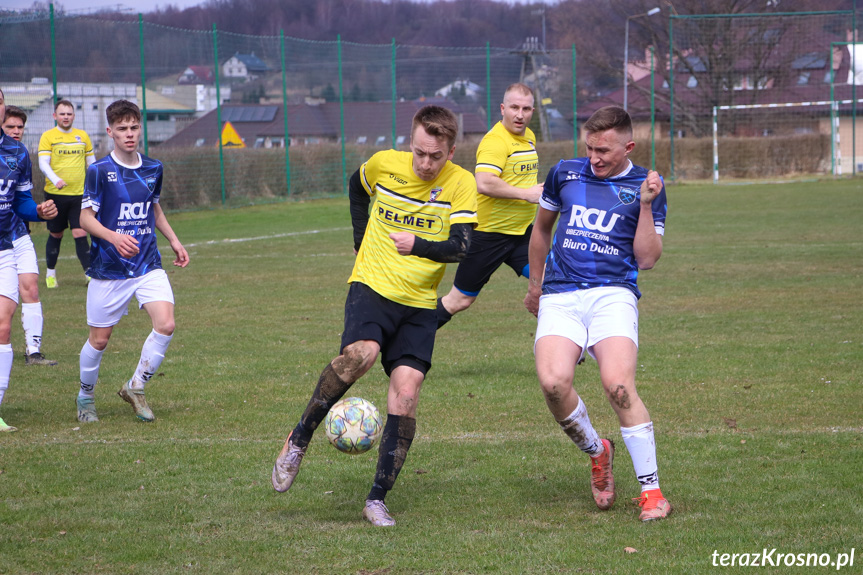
point(592, 219)
point(5, 186)
point(138, 211)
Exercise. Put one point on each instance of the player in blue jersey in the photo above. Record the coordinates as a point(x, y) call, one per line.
point(15, 199)
point(27, 263)
point(121, 212)
point(612, 219)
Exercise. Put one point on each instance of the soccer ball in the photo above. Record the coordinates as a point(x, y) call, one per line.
point(353, 425)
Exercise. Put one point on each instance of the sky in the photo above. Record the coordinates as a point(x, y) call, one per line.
point(135, 6)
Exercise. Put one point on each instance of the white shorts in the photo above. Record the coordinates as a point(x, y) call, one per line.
point(589, 316)
point(8, 275)
point(108, 300)
point(25, 255)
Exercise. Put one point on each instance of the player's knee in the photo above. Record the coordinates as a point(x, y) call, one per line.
point(621, 396)
point(99, 341)
point(356, 359)
point(458, 301)
point(555, 386)
point(165, 326)
point(29, 293)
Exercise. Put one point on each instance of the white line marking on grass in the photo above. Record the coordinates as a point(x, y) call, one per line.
point(167, 249)
point(260, 238)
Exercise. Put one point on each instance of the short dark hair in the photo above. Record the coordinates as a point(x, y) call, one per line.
point(15, 112)
point(610, 118)
point(437, 121)
point(63, 102)
point(122, 110)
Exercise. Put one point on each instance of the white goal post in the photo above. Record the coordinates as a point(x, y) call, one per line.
point(834, 125)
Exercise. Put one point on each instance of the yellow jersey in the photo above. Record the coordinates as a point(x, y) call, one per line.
point(402, 202)
point(512, 158)
point(68, 152)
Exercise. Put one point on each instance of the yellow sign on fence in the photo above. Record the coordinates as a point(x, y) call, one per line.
point(230, 137)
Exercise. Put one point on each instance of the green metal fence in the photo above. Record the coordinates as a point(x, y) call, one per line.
point(308, 112)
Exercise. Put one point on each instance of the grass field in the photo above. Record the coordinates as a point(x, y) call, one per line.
point(751, 364)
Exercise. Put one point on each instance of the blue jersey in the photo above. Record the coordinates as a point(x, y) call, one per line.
point(15, 190)
point(123, 198)
point(592, 246)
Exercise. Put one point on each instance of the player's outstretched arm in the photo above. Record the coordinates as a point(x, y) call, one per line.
point(182, 259)
point(127, 246)
point(493, 186)
point(452, 250)
point(540, 240)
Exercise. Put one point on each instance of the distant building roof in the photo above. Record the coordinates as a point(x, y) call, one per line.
point(159, 104)
point(368, 122)
point(252, 62)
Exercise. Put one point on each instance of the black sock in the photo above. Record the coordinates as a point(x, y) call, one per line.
point(52, 252)
point(82, 248)
point(396, 440)
point(443, 316)
point(329, 390)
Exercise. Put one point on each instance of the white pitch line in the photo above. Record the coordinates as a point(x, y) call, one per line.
point(236, 240)
point(259, 238)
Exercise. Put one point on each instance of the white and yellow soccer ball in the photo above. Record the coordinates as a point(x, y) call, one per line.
point(353, 425)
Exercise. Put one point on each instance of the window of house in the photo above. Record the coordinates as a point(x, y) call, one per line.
point(692, 82)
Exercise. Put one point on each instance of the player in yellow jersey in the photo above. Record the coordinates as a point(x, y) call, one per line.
point(422, 216)
point(64, 154)
point(506, 178)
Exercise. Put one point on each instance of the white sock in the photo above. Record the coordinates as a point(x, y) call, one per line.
point(642, 449)
point(5, 368)
point(152, 355)
point(88, 365)
point(31, 319)
point(578, 427)
point(50, 273)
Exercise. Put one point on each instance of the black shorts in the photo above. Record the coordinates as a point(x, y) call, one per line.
point(406, 334)
point(68, 212)
point(488, 250)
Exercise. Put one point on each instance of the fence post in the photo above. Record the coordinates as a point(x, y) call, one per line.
point(652, 112)
point(342, 117)
point(287, 141)
point(219, 112)
point(853, 94)
point(487, 87)
point(574, 108)
point(395, 95)
point(671, 90)
point(53, 58)
point(143, 84)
